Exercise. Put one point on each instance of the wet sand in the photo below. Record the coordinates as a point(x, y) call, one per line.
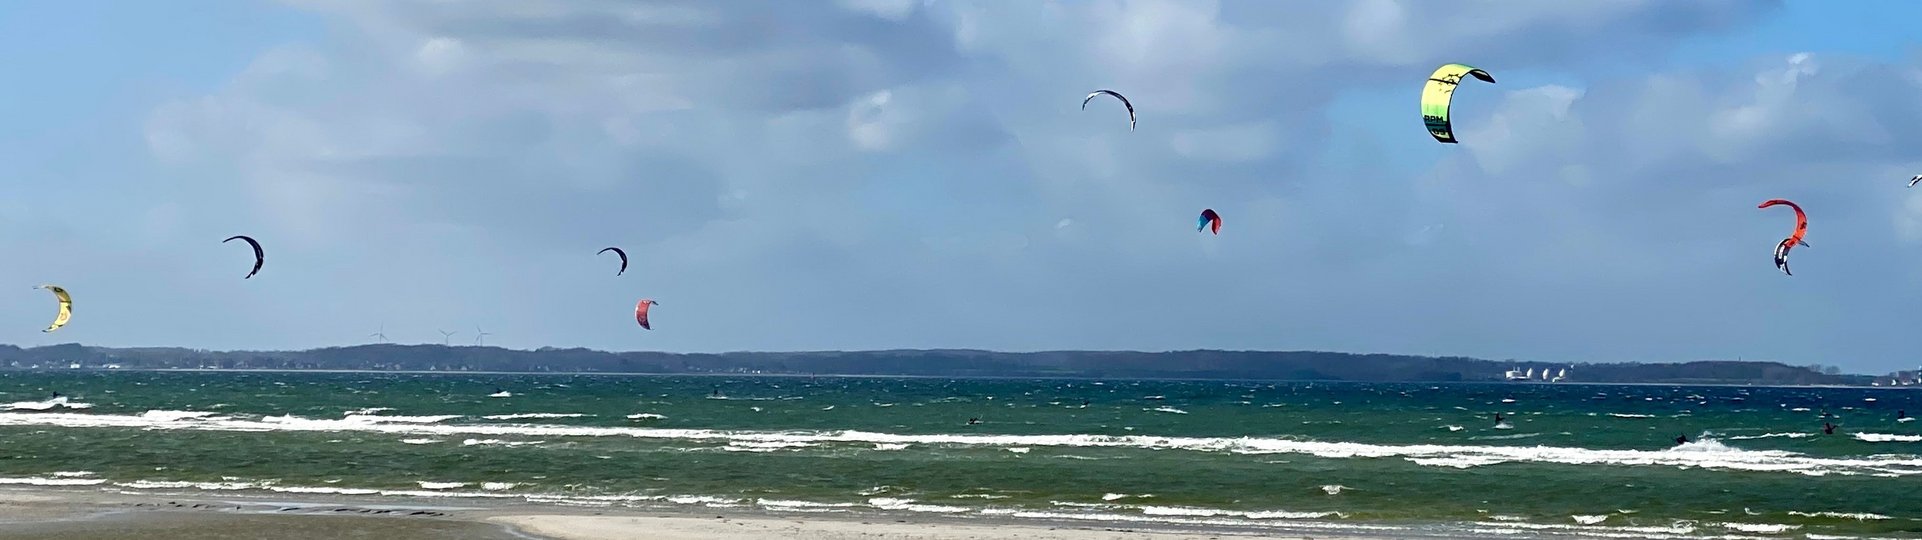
point(90, 515)
point(163, 525)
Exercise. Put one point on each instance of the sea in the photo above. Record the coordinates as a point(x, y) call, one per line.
point(1395, 460)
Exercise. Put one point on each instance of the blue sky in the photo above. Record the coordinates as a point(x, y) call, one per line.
point(869, 174)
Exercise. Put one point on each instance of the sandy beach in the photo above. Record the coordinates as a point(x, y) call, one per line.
point(85, 515)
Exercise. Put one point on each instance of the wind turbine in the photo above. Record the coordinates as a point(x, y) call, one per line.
point(445, 335)
point(381, 334)
point(480, 338)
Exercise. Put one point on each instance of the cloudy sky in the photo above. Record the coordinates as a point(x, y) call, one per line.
point(860, 174)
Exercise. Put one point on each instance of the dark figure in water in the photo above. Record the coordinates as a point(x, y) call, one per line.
point(1499, 418)
point(973, 421)
point(1828, 428)
point(1900, 414)
point(1682, 439)
point(56, 395)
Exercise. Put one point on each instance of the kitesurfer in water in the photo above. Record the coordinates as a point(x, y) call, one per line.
point(1682, 439)
point(1499, 418)
point(973, 421)
point(1900, 414)
point(1828, 428)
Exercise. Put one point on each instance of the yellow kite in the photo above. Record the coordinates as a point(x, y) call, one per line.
point(1439, 93)
point(66, 307)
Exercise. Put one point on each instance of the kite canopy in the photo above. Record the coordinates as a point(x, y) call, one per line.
point(1117, 95)
point(617, 251)
point(1913, 181)
point(1439, 94)
point(640, 312)
point(66, 307)
point(260, 257)
point(1794, 239)
point(1209, 219)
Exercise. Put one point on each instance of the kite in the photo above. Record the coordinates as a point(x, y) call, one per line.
point(1209, 218)
point(66, 307)
point(260, 257)
point(640, 312)
point(617, 251)
point(1912, 181)
point(1117, 95)
point(1439, 93)
point(1801, 228)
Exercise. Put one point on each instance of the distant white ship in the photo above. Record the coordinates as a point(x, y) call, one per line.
point(1526, 375)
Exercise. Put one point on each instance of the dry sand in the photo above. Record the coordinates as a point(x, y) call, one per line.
point(76, 514)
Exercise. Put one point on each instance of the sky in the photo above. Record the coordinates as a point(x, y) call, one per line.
point(876, 174)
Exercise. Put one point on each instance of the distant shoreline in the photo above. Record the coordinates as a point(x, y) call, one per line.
point(958, 377)
point(1194, 365)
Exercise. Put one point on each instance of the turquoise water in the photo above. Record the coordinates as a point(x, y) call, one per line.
point(1574, 460)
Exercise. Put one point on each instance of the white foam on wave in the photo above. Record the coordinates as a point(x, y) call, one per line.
point(1589, 519)
point(1333, 489)
point(1515, 527)
point(645, 416)
point(704, 500)
point(802, 506)
point(1887, 437)
point(765, 446)
point(1858, 516)
point(419, 441)
point(1187, 511)
point(162, 415)
point(497, 442)
point(890, 446)
point(1705, 454)
point(373, 419)
point(367, 411)
point(523, 416)
point(1770, 436)
point(1760, 528)
point(1504, 437)
point(208, 486)
point(890, 503)
point(1627, 415)
point(441, 485)
point(1170, 410)
point(43, 481)
point(498, 486)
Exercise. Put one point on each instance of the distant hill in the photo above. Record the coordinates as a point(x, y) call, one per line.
point(1200, 364)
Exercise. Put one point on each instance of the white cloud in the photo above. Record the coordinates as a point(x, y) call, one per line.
point(1243, 142)
point(893, 10)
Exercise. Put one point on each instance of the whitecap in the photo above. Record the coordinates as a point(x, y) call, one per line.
point(521, 416)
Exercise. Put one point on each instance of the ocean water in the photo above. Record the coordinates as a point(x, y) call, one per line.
point(1571, 460)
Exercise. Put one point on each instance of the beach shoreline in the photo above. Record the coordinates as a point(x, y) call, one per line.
point(32, 513)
